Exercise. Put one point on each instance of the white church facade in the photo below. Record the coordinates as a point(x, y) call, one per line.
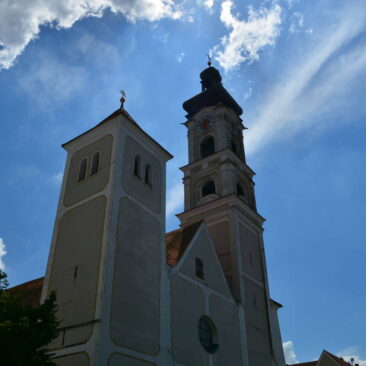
point(131, 295)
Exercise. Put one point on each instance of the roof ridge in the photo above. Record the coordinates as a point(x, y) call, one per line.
point(26, 283)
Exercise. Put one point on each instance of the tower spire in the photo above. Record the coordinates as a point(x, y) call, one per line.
point(209, 63)
point(123, 98)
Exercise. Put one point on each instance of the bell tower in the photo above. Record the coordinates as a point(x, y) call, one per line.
point(219, 189)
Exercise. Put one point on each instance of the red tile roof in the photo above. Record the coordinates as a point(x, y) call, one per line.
point(30, 292)
point(177, 242)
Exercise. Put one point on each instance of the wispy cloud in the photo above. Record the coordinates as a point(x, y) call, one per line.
point(313, 87)
point(180, 57)
point(289, 350)
point(53, 80)
point(175, 198)
point(57, 178)
point(297, 22)
point(20, 21)
point(352, 353)
point(248, 93)
point(2, 253)
point(246, 37)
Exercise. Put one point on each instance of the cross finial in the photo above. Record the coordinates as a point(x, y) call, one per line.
point(123, 98)
point(209, 63)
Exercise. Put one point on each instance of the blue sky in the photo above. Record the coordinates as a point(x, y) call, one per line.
point(298, 69)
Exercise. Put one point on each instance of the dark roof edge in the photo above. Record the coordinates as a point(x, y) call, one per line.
point(277, 303)
point(127, 115)
point(18, 287)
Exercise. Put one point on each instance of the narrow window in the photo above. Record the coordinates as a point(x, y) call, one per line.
point(199, 269)
point(137, 166)
point(208, 188)
point(234, 146)
point(239, 190)
point(251, 258)
point(148, 174)
point(95, 163)
point(207, 147)
point(254, 300)
point(82, 169)
point(75, 272)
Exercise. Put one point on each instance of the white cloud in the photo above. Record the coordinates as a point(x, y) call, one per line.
point(180, 57)
point(297, 22)
point(315, 86)
point(352, 352)
point(209, 4)
point(291, 3)
point(174, 200)
point(20, 20)
point(57, 178)
point(289, 350)
point(248, 94)
point(246, 38)
point(2, 253)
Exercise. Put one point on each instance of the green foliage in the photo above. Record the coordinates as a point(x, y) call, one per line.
point(25, 331)
point(3, 281)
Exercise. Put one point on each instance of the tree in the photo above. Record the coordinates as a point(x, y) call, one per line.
point(25, 331)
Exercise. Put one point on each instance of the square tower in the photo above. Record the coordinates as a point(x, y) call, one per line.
point(219, 190)
point(107, 255)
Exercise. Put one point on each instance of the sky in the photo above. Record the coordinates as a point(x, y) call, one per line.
point(298, 69)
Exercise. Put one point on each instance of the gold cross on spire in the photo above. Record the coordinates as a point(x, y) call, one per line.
point(209, 63)
point(123, 98)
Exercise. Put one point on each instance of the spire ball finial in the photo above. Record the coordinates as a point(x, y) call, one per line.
point(123, 98)
point(209, 63)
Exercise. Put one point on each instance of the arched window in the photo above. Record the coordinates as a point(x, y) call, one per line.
point(239, 190)
point(208, 188)
point(207, 147)
point(199, 269)
point(148, 174)
point(95, 163)
point(137, 166)
point(82, 169)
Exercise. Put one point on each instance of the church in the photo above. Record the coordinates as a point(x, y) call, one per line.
point(130, 294)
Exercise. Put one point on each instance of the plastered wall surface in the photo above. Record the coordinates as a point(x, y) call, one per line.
point(257, 324)
point(75, 267)
point(276, 336)
point(225, 316)
point(77, 359)
point(326, 361)
point(221, 239)
point(117, 359)
point(251, 253)
point(188, 305)
point(76, 191)
point(137, 188)
point(213, 275)
point(135, 314)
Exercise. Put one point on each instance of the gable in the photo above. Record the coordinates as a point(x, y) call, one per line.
point(201, 248)
point(328, 359)
point(177, 242)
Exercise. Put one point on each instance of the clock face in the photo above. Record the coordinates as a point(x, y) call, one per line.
point(205, 123)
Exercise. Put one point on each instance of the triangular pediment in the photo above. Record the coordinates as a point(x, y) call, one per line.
point(201, 248)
